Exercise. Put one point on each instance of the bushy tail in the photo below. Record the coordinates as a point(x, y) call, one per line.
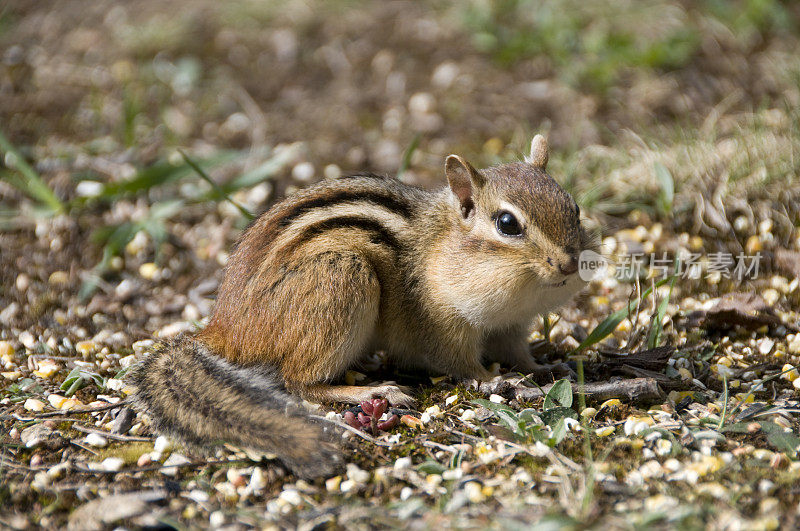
point(201, 399)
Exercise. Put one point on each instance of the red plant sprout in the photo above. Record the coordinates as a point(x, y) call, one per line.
point(369, 419)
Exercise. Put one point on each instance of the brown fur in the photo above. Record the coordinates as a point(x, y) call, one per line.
point(353, 265)
point(201, 400)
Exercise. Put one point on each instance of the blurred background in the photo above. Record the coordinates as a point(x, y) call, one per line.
point(138, 137)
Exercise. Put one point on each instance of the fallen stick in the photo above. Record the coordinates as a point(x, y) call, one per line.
point(49, 414)
point(114, 436)
point(634, 389)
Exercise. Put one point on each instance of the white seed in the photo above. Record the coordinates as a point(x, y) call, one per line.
point(402, 463)
point(27, 340)
point(162, 444)
point(34, 405)
point(292, 497)
point(216, 519)
point(148, 271)
point(474, 493)
point(332, 171)
point(303, 172)
point(112, 464)
point(95, 439)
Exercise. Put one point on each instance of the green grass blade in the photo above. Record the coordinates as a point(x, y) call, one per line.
point(656, 324)
point(158, 174)
point(222, 194)
point(29, 182)
point(666, 192)
point(724, 402)
point(263, 172)
point(610, 323)
point(406, 162)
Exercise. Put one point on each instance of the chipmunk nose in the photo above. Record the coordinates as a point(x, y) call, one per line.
point(570, 267)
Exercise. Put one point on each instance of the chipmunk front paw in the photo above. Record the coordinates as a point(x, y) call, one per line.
point(498, 385)
point(547, 373)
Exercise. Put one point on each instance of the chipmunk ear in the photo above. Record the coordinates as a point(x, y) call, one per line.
point(539, 152)
point(464, 181)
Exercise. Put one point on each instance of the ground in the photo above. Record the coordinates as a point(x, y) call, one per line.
point(138, 140)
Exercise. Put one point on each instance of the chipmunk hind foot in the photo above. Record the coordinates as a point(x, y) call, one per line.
point(353, 394)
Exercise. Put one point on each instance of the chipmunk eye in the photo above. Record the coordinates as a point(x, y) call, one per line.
point(507, 224)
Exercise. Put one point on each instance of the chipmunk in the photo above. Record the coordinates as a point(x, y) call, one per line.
point(441, 281)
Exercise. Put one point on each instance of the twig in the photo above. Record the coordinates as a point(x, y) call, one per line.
point(83, 447)
point(85, 469)
point(114, 436)
point(635, 389)
point(461, 433)
point(353, 430)
point(15, 416)
point(72, 411)
point(446, 448)
point(13, 464)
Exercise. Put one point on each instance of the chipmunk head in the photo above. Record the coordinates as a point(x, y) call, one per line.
point(519, 228)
